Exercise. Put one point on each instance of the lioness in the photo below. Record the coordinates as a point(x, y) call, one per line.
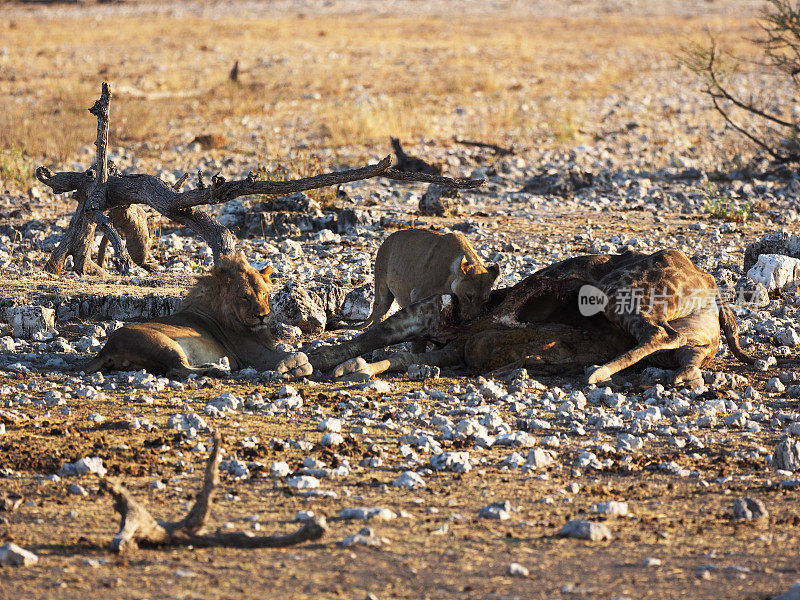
point(225, 314)
point(416, 263)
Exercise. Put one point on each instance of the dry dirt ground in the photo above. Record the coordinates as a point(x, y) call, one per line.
point(337, 79)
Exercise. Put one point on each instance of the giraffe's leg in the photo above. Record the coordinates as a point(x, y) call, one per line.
point(417, 346)
point(652, 337)
point(689, 359)
point(399, 361)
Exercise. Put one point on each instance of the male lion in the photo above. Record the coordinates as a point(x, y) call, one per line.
point(413, 264)
point(225, 314)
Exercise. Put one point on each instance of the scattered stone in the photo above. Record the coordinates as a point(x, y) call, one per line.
point(793, 593)
point(303, 482)
point(32, 322)
point(83, 466)
point(517, 570)
point(496, 510)
point(612, 508)
point(538, 458)
point(10, 501)
point(409, 480)
point(456, 462)
point(749, 509)
point(367, 513)
point(12, 555)
point(77, 489)
point(562, 183)
point(423, 372)
point(586, 530)
point(775, 271)
point(365, 537)
point(775, 386)
point(331, 439)
point(789, 337)
point(330, 424)
point(357, 304)
point(293, 304)
point(439, 201)
point(787, 455)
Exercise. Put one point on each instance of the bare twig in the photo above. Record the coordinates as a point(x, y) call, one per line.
point(138, 527)
point(777, 135)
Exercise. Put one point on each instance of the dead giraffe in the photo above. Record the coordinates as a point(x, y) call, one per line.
point(665, 303)
point(673, 317)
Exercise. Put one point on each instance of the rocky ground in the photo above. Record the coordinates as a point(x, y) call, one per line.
point(526, 487)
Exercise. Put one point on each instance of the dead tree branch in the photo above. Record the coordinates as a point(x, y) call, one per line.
point(773, 132)
point(118, 193)
point(138, 527)
point(79, 241)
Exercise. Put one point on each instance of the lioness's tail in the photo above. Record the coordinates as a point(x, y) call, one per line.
point(731, 330)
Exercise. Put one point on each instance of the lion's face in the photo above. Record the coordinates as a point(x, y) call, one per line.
point(242, 293)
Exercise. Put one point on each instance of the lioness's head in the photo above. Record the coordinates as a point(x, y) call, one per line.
point(472, 285)
point(239, 294)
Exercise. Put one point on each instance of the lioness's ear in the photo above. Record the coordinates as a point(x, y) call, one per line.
point(266, 272)
point(464, 264)
point(494, 271)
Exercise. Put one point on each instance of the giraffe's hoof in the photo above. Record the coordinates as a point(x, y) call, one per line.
point(598, 374)
point(353, 370)
point(691, 378)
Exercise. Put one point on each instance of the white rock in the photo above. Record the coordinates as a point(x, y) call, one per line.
point(775, 271)
point(496, 510)
point(331, 439)
point(330, 424)
point(366, 513)
point(83, 466)
point(12, 555)
point(789, 337)
point(517, 570)
point(456, 462)
point(365, 537)
point(787, 455)
point(32, 322)
point(409, 480)
point(586, 530)
point(775, 385)
point(539, 458)
point(279, 469)
point(303, 482)
point(611, 508)
point(793, 593)
point(379, 386)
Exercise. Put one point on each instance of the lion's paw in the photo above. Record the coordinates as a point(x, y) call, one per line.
point(295, 366)
point(354, 367)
